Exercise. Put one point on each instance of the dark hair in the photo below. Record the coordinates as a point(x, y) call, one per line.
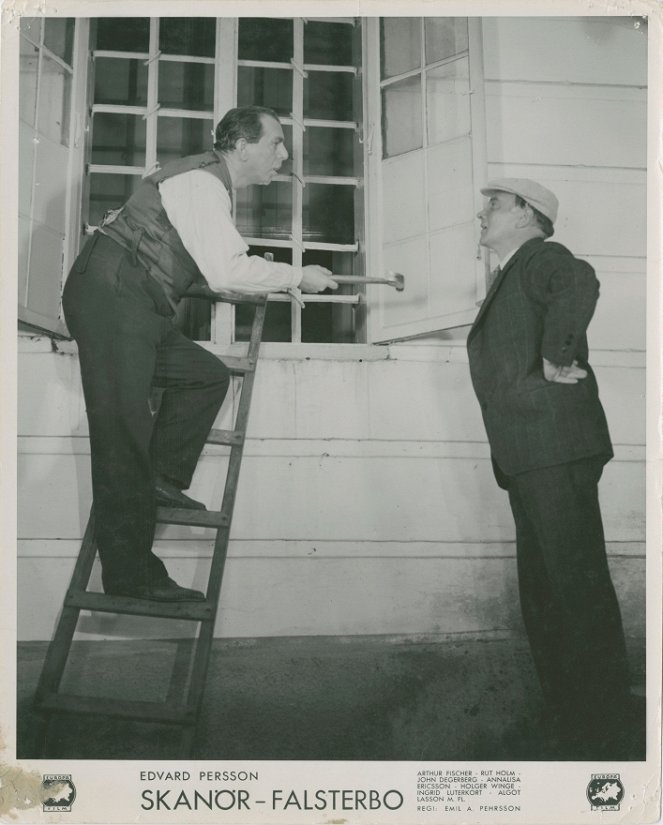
point(243, 122)
point(544, 223)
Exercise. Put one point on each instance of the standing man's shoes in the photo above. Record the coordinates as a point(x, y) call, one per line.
point(168, 495)
point(165, 590)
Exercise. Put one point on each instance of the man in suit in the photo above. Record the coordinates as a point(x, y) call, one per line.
point(549, 442)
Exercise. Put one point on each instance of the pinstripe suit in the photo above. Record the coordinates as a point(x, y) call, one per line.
point(549, 442)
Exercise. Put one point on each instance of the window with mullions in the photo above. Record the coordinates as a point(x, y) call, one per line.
point(424, 69)
point(154, 98)
point(307, 72)
point(429, 165)
point(157, 98)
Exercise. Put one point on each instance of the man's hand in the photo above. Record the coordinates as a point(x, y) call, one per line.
point(563, 375)
point(316, 278)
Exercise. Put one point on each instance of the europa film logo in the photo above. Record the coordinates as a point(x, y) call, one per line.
point(58, 792)
point(605, 791)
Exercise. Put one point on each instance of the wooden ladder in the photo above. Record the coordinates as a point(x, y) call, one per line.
point(181, 711)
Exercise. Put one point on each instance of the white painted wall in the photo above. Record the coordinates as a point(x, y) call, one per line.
point(366, 505)
point(367, 502)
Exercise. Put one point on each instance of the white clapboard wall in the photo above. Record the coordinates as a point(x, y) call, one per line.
point(366, 503)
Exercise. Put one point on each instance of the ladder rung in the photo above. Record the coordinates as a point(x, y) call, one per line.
point(238, 366)
point(232, 438)
point(120, 708)
point(191, 518)
point(103, 603)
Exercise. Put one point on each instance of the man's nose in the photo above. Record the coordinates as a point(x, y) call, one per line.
point(283, 152)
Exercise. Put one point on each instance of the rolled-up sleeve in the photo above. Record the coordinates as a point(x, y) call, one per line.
point(198, 206)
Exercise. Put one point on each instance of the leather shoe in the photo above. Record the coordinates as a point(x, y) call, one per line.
point(168, 495)
point(165, 590)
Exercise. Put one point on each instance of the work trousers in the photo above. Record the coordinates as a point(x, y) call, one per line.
point(128, 346)
point(568, 601)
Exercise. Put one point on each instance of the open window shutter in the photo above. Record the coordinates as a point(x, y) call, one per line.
point(426, 162)
point(51, 94)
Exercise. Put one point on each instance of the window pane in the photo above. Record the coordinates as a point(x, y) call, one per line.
point(265, 211)
point(328, 44)
point(263, 38)
point(120, 82)
point(277, 321)
point(123, 34)
point(186, 86)
point(59, 37)
point(329, 151)
point(23, 249)
point(327, 322)
point(188, 36)
point(448, 98)
point(28, 82)
point(401, 117)
point(445, 37)
point(45, 271)
point(328, 213)
point(54, 101)
point(26, 157)
point(400, 45)
point(109, 192)
point(328, 96)
point(31, 27)
point(286, 168)
point(118, 139)
point(317, 323)
point(179, 137)
point(265, 87)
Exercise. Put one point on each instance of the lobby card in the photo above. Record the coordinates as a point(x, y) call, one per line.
point(599, 153)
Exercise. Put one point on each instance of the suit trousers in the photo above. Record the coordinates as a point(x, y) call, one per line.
point(128, 345)
point(568, 601)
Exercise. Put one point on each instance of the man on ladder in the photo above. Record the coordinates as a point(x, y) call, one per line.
point(119, 301)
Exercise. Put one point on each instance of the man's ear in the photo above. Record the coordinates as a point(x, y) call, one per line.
point(526, 217)
point(240, 148)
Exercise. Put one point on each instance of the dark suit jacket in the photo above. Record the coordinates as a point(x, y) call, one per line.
point(539, 305)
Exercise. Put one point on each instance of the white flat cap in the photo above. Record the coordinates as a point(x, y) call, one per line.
point(529, 190)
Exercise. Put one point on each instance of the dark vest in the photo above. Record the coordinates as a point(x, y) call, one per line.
point(142, 227)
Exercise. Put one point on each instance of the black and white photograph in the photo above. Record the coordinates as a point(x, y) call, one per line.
point(332, 427)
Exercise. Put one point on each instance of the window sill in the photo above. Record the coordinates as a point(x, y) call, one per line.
point(33, 324)
point(440, 352)
point(306, 352)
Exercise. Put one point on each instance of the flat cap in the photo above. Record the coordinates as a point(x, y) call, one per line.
point(536, 195)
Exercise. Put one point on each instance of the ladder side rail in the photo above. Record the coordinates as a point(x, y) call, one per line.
point(241, 423)
point(83, 566)
point(199, 668)
point(204, 642)
point(58, 649)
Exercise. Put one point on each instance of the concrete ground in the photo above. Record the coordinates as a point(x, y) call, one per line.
point(313, 698)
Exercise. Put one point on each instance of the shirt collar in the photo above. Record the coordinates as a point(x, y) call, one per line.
point(505, 260)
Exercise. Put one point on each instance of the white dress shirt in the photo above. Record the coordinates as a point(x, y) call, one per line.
point(198, 206)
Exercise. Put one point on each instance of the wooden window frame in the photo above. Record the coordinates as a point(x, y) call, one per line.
point(373, 160)
point(29, 319)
